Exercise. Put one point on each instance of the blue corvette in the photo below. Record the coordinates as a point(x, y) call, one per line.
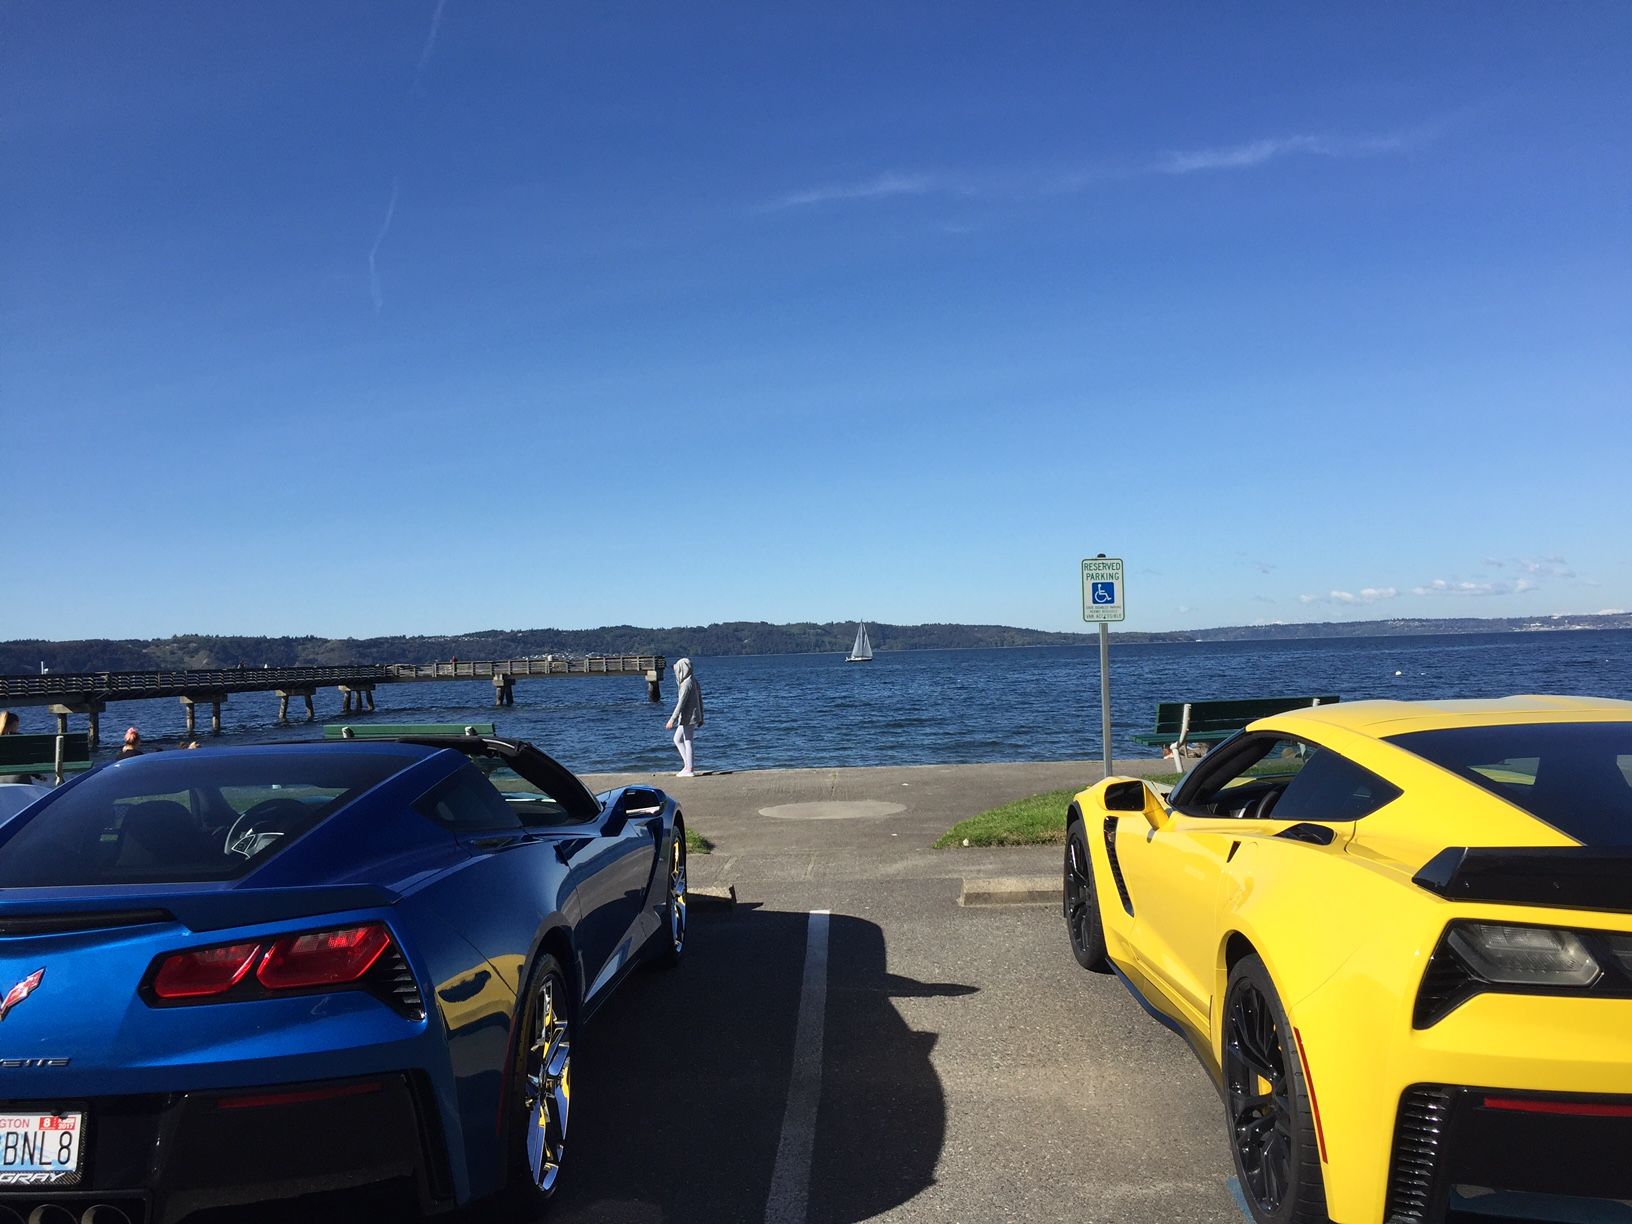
point(243, 974)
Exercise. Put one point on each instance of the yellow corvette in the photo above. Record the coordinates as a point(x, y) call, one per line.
point(1399, 936)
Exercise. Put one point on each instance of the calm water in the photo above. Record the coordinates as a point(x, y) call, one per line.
point(926, 707)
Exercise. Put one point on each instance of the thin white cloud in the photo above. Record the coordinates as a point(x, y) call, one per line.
point(1546, 567)
point(1366, 595)
point(882, 187)
point(1037, 182)
point(1442, 586)
point(1237, 157)
point(374, 251)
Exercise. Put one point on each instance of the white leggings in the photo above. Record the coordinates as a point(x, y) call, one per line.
point(682, 740)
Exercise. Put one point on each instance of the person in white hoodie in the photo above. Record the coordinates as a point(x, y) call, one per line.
point(687, 716)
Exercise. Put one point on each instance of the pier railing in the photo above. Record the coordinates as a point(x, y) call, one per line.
point(57, 686)
point(592, 665)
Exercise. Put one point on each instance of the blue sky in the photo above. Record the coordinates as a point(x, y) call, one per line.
point(426, 317)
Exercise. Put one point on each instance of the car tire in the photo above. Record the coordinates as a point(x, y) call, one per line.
point(1082, 918)
point(1271, 1133)
point(540, 1087)
point(672, 932)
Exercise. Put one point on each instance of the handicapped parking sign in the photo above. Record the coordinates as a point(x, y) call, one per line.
point(1102, 591)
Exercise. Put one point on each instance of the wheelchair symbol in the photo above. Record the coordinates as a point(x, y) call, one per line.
point(1104, 592)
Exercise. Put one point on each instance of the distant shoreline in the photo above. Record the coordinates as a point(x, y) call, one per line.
point(730, 639)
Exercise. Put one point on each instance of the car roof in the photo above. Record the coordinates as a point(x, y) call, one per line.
point(1381, 719)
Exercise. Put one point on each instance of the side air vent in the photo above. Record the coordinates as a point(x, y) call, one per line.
point(84, 920)
point(1116, 867)
point(1446, 985)
point(1419, 1134)
point(394, 982)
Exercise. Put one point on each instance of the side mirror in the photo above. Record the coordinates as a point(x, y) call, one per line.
point(615, 817)
point(1135, 796)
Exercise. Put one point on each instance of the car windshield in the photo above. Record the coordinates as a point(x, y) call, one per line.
point(1575, 776)
point(198, 816)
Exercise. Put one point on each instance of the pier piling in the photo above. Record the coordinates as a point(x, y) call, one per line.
point(191, 701)
point(362, 694)
point(91, 709)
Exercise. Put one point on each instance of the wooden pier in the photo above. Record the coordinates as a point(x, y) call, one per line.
point(88, 693)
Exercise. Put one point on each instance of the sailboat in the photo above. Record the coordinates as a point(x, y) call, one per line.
point(862, 651)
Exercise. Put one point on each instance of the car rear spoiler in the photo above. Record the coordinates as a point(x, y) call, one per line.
point(50, 911)
point(1568, 877)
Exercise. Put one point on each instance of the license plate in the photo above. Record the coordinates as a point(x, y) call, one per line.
point(40, 1149)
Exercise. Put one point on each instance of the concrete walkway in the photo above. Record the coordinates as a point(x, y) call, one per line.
point(784, 825)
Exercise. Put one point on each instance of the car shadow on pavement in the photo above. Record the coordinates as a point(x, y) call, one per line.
point(680, 1084)
point(680, 1090)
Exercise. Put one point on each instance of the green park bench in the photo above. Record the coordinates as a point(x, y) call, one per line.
point(1179, 723)
point(377, 731)
point(44, 755)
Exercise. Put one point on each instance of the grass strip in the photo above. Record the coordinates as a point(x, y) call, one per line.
point(696, 843)
point(1037, 820)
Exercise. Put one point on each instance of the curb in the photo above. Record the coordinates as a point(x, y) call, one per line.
point(720, 897)
point(1012, 890)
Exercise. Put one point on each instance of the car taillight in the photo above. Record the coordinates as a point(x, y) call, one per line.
point(311, 960)
point(327, 958)
point(208, 971)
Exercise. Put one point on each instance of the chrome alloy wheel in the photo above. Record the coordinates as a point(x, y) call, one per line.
point(677, 894)
point(1258, 1092)
point(547, 1089)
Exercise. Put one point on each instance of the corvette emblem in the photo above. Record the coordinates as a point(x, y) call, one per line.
point(20, 992)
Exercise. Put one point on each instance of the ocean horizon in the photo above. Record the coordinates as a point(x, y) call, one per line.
point(924, 707)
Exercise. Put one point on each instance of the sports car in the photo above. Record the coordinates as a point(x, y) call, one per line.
point(240, 974)
point(1399, 937)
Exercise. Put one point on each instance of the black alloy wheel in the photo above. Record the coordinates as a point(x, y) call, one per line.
point(1266, 1104)
point(542, 1092)
point(1082, 920)
point(674, 907)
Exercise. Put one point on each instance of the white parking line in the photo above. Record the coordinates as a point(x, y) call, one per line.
point(789, 1197)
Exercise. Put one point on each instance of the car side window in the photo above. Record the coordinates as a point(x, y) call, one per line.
point(1285, 778)
point(1331, 787)
point(526, 799)
point(467, 803)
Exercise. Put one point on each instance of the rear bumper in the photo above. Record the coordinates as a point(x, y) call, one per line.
point(1526, 1142)
point(160, 1158)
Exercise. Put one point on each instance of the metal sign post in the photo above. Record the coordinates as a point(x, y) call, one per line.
point(1103, 602)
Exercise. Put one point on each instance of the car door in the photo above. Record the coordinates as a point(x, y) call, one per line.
point(1175, 872)
point(609, 853)
point(1256, 785)
point(608, 865)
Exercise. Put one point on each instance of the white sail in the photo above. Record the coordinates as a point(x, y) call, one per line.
point(862, 651)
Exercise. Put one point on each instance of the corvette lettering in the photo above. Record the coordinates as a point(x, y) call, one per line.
point(21, 991)
point(12, 1064)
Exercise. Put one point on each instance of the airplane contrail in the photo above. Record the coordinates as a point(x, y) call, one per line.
point(430, 43)
point(385, 228)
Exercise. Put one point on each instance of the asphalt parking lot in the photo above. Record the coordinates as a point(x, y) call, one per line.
point(899, 1056)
